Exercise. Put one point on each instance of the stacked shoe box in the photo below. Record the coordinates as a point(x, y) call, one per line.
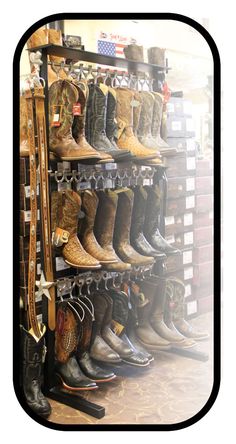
point(181, 199)
point(203, 236)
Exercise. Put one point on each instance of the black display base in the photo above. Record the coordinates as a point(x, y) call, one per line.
point(189, 353)
point(76, 402)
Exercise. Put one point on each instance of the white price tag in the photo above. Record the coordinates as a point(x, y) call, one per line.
point(190, 202)
point(188, 238)
point(188, 219)
point(147, 182)
point(188, 290)
point(39, 270)
point(27, 215)
point(108, 183)
point(110, 166)
point(170, 239)
point(188, 273)
point(190, 184)
point(170, 107)
point(189, 125)
point(38, 297)
point(37, 246)
point(61, 264)
point(187, 257)
point(191, 307)
point(176, 125)
point(170, 220)
point(191, 163)
point(40, 318)
point(83, 186)
point(27, 191)
point(190, 144)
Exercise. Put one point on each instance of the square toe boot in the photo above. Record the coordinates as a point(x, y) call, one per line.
point(151, 230)
point(63, 96)
point(99, 349)
point(104, 227)
point(65, 208)
point(122, 244)
point(126, 138)
point(32, 355)
point(88, 239)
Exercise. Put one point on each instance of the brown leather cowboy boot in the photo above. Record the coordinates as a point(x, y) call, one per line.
point(88, 239)
point(134, 52)
point(156, 124)
point(156, 56)
point(122, 231)
point(65, 208)
point(63, 105)
point(126, 138)
point(24, 147)
point(66, 340)
point(104, 226)
point(145, 121)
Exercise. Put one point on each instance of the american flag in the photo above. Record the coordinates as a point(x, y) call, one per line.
point(110, 48)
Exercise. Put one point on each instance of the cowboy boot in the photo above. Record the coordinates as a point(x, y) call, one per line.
point(24, 147)
point(145, 121)
point(65, 208)
point(66, 341)
point(134, 52)
point(96, 121)
point(33, 354)
point(89, 368)
point(88, 239)
point(120, 315)
point(55, 38)
point(145, 333)
point(151, 231)
point(169, 314)
point(99, 349)
point(156, 56)
point(137, 238)
point(111, 125)
point(63, 104)
point(124, 113)
point(104, 227)
point(180, 323)
point(122, 231)
point(78, 127)
point(156, 124)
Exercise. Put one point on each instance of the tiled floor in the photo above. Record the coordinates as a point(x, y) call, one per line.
point(172, 389)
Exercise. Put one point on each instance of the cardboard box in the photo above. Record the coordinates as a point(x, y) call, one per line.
point(203, 236)
point(180, 187)
point(182, 240)
point(180, 165)
point(202, 291)
point(203, 254)
point(177, 262)
point(204, 185)
point(178, 126)
point(174, 207)
point(178, 224)
point(183, 144)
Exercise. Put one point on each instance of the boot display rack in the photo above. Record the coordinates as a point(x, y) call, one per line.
point(63, 175)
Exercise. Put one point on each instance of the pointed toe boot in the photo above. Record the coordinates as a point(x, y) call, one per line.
point(156, 123)
point(65, 208)
point(145, 121)
point(122, 244)
point(88, 239)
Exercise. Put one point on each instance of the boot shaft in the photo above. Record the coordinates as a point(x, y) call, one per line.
point(65, 208)
point(136, 112)
point(111, 127)
point(105, 217)
point(66, 334)
point(134, 52)
point(146, 115)
point(157, 114)
point(89, 206)
point(123, 217)
point(124, 109)
point(139, 209)
point(152, 209)
point(33, 355)
point(120, 310)
point(156, 56)
point(78, 126)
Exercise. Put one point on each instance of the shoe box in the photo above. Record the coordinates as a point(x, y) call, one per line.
point(183, 144)
point(204, 185)
point(181, 240)
point(178, 106)
point(204, 203)
point(180, 165)
point(205, 305)
point(180, 187)
point(185, 274)
point(203, 254)
point(25, 197)
point(202, 220)
point(203, 290)
point(178, 224)
point(183, 205)
point(178, 261)
point(180, 126)
point(202, 273)
point(24, 299)
point(204, 167)
point(24, 170)
point(203, 236)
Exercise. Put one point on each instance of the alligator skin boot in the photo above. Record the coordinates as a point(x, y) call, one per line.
point(120, 315)
point(122, 231)
point(178, 313)
point(65, 208)
point(137, 238)
point(96, 122)
point(99, 349)
point(24, 146)
point(155, 291)
point(169, 311)
point(124, 113)
point(88, 239)
point(134, 52)
point(63, 104)
point(104, 227)
point(89, 368)
point(66, 340)
point(32, 354)
point(151, 231)
point(145, 121)
point(146, 334)
point(111, 125)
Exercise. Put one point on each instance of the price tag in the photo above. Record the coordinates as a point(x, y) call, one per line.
point(190, 144)
point(40, 318)
point(147, 182)
point(191, 307)
point(38, 247)
point(189, 202)
point(188, 273)
point(27, 215)
point(170, 220)
point(191, 163)
point(176, 125)
point(56, 120)
point(187, 257)
point(188, 219)
point(190, 184)
point(76, 110)
point(27, 191)
point(61, 264)
point(188, 238)
point(188, 290)
point(38, 297)
point(110, 166)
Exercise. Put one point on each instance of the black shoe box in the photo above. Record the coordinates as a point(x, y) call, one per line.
point(24, 265)
point(203, 274)
point(203, 236)
point(204, 185)
point(25, 197)
point(204, 203)
point(203, 254)
point(24, 171)
point(24, 248)
point(204, 167)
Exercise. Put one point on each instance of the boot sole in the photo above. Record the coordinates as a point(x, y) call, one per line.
point(92, 157)
point(75, 389)
point(155, 347)
point(104, 380)
point(92, 267)
point(107, 362)
point(136, 365)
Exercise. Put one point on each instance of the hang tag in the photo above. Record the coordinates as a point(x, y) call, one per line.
point(56, 113)
point(60, 237)
point(116, 327)
point(76, 110)
point(190, 202)
point(190, 184)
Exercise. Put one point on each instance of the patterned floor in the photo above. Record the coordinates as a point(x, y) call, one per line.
point(172, 389)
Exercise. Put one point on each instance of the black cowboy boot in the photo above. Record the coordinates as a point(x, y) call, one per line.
point(33, 353)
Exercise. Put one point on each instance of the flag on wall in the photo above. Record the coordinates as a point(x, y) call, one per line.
point(112, 49)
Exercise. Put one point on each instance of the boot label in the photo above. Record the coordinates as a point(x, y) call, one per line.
point(76, 110)
point(56, 112)
point(116, 327)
